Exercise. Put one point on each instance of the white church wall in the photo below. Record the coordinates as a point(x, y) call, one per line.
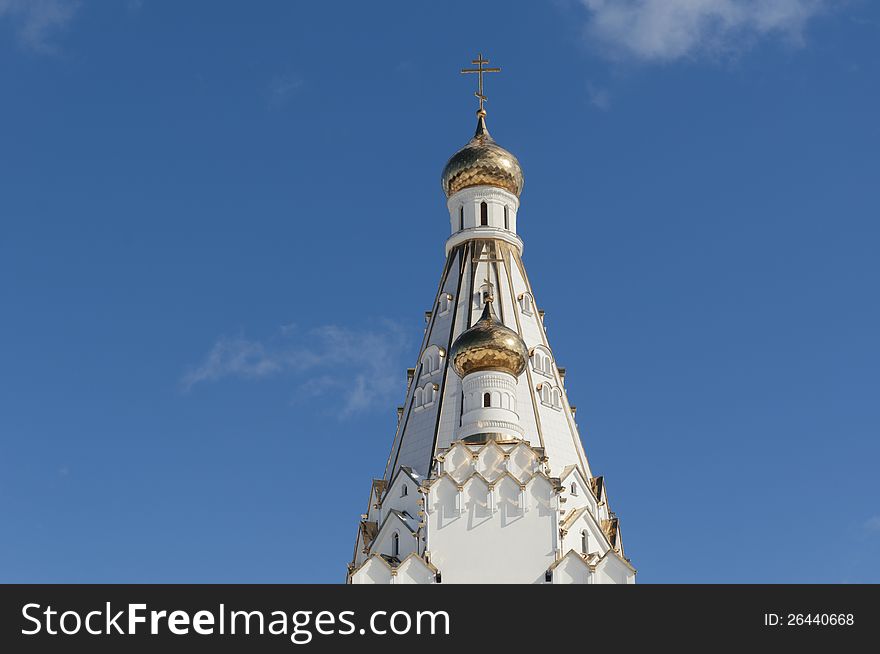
point(374, 571)
point(414, 571)
point(443, 504)
point(572, 569)
point(522, 462)
point(395, 498)
point(459, 462)
point(469, 199)
point(582, 496)
point(490, 462)
point(611, 570)
point(597, 543)
point(488, 544)
point(384, 542)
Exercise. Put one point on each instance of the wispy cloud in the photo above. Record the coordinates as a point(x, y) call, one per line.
point(282, 87)
point(872, 524)
point(599, 97)
point(668, 30)
point(37, 22)
point(362, 369)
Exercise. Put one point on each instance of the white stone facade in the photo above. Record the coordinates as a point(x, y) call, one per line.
point(490, 513)
point(489, 405)
point(520, 507)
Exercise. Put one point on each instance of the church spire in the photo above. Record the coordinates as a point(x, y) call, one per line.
point(487, 457)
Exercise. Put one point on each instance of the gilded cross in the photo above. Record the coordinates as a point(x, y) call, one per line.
point(479, 62)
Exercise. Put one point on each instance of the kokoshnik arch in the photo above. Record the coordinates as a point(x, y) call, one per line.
point(487, 480)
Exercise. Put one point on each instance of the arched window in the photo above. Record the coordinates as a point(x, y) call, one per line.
point(395, 544)
point(487, 399)
point(556, 397)
point(574, 489)
point(585, 542)
point(506, 218)
point(404, 490)
point(425, 396)
point(484, 213)
point(461, 217)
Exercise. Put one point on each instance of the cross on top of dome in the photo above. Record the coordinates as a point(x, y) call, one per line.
point(479, 70)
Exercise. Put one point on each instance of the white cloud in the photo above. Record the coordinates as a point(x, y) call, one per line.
point(599, 97)
point(232, 357)
point(282, 87)
point(38, 21)
point(667, 30)
point(361, 369)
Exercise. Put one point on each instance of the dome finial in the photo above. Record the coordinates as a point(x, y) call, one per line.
point(488, 311)
point(479, 70)
point(481, 162)
point(482, 131)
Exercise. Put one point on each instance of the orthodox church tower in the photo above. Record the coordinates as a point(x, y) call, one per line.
point(487, 480)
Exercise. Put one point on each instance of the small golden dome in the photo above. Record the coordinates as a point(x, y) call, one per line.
point(482, 162)
point(489, 345)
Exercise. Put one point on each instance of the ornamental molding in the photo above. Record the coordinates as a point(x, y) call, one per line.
point(480, 193)
point(496, 424)
point(489, 382)
point(484, 234)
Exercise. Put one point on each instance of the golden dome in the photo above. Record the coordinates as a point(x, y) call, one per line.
point(489, 345)
point(482, 162)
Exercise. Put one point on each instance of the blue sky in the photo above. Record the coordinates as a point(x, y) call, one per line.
point(220, 226)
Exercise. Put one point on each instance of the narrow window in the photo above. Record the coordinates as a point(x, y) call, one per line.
point(585, 542)
point(487, 399)
point(506, 218)
point(461, 217)
point(438, 578)
point(484, 213)
point(548, 576)
point(574, 489)
point(395, 544)
point(404, 490)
